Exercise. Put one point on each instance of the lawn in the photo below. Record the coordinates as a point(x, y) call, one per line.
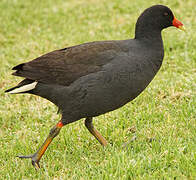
point(152, 137)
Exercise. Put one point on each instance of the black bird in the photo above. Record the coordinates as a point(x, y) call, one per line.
point(94, 78)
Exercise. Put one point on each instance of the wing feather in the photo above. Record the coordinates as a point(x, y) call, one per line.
point(66, 65)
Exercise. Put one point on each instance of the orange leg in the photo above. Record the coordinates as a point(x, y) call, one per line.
point(37, 156)
point(94, 132)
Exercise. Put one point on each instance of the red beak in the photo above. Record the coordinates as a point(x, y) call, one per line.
point(178, 24)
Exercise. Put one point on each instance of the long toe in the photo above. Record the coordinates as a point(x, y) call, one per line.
point(25, 157)
point(36, 164)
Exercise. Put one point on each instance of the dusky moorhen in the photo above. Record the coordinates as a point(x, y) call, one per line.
point(93, 78)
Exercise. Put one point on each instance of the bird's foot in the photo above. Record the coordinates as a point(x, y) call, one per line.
point(34, 158)
point(40, 152)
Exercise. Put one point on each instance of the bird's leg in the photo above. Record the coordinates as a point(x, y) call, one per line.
point(94, 132)
point(40, 152)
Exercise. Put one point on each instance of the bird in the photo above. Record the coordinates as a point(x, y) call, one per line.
point(90, 79)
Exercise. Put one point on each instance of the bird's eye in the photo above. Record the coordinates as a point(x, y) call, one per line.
point(165, 14)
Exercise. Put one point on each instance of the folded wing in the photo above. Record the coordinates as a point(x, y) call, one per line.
point(66, 65)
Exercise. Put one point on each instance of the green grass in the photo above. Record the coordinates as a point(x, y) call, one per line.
point(162, 118)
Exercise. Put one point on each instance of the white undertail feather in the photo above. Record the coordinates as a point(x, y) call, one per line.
point(24, 88)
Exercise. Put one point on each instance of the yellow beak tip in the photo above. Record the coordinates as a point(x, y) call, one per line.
point(182, 28)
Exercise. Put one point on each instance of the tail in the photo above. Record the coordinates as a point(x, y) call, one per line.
point(50, 92)
point(24, 86)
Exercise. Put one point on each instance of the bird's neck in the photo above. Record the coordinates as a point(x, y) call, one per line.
point(150, 37)
point(151, 40)
point(146, 33)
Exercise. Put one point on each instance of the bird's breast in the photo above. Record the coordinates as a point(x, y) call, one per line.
point(113, 87)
